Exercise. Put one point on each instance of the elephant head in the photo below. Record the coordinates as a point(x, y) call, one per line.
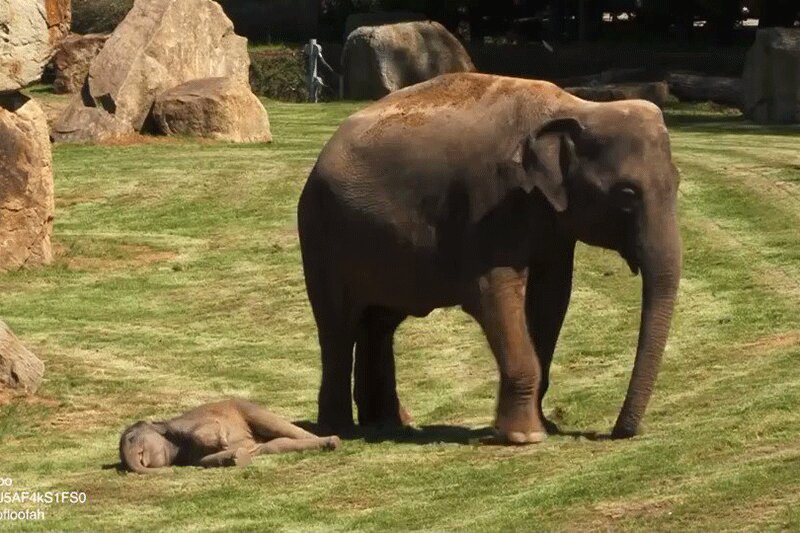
point(606, 170)
point(144, 447)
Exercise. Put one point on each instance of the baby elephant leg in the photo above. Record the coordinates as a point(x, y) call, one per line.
point(269, 425)
point(284, 445)
point(238, 457)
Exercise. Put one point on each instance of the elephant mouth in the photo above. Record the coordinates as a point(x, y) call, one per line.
point(633, 262)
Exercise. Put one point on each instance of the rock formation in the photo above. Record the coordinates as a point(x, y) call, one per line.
point(20, 370)
point(220, 108)
point(72, 60)
point(772, 77)
point(26, 184)
point(378, 60)
point(159, 45)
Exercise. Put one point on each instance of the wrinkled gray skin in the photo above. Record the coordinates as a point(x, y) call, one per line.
point(472, 190)
point(226, 433)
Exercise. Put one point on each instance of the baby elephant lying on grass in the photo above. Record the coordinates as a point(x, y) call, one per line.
point(226, 433)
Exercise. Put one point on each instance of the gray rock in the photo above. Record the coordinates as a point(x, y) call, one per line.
point(20, 370)
point(771, 78)
point(378, 60)
point(380, 18)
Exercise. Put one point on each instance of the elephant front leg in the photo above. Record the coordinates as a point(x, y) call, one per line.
point(236, 457)
point(502, 317)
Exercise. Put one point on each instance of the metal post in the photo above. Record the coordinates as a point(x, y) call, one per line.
point(314, 82)
point(312, 50)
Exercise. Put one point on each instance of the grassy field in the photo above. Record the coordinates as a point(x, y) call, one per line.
point(178, 281)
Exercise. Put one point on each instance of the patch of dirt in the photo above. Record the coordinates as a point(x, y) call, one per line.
point(617, 510)
point(85, 418)
point(7, 396)
point(351, 504)
point(121, 256)
point(67, 201)
point(454, 90)
point(397, 119)
point(777, 341)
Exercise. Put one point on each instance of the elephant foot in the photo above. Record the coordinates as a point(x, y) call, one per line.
point(330, 425)
point(520, 438)
point(393, 418)
point(520, 429)
point(623, 433)
point(332, 443)
point(242, 457)
point(406, 419)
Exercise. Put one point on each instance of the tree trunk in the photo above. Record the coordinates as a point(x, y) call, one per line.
point(696, 88)
point(19, 369)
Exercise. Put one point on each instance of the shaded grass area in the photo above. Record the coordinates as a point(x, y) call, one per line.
point(178, 281)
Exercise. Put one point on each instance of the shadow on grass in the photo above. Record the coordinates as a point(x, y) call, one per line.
point(728, 124)
point(440, 434)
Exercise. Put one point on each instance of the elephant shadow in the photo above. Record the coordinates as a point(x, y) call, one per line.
point(440, 434)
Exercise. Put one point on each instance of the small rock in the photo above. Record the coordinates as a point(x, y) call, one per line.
point(220, 108)
point(20, 370)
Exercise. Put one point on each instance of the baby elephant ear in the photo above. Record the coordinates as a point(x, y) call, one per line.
point(159, 427)
point(548, 156)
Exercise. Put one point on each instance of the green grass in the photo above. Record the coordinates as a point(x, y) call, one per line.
point(178, 281)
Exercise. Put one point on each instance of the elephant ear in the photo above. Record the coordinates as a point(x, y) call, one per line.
point(547, 157)
point(159, 427)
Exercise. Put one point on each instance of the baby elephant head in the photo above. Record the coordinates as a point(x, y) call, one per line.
point(144, 448)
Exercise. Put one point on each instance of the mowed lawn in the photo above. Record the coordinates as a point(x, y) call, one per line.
point(178, 281)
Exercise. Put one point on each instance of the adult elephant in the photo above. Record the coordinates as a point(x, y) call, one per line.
point(472, 190)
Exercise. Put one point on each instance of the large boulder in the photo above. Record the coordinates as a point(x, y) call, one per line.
point(29, 30)
point(772, 77)
point(378, 60)
point(26, 184)
point(656, 92)
point(72, 59)
point(159, 45)
point(20, 370)
point(379, 18)
point(220, 108)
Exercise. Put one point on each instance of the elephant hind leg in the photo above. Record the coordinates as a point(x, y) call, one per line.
point(285, 445)
point(337, 321)
point(335, 399)
point(268, 425)
point(375, 382)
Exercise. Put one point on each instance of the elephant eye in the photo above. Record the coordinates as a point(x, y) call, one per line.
point(625, 198)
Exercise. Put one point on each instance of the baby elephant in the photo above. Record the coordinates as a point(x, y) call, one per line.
point(226, 433)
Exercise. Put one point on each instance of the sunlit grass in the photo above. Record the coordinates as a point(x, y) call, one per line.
point(178, 281)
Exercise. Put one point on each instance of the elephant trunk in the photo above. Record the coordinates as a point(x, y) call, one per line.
point(659, 253)
point(132, 461)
